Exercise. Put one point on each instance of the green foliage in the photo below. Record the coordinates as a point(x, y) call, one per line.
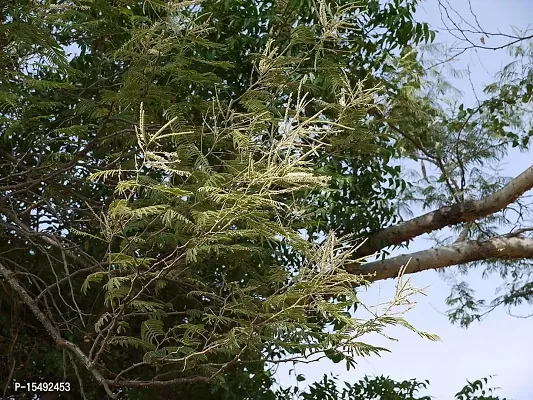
point(165, 240)
point(233, 215)
point(182, 182)
point(381, 388)
point(506, 116)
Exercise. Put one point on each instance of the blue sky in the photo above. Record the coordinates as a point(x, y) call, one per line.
point(500, 345)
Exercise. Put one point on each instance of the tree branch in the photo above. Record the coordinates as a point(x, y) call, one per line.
point(447, 216)
point(145, 384)
point(446, 256)
point(52, 331)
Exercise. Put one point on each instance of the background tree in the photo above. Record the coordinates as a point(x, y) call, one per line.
point(459, 148)
point(383, 388)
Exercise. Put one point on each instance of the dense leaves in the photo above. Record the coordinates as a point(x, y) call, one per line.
point(384, 388)
point(141, 138)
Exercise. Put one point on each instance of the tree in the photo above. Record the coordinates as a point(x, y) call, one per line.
point(155, 183)
point(462, 144)
point(147, 190)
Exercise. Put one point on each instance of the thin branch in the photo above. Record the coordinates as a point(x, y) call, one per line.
point(47, 324)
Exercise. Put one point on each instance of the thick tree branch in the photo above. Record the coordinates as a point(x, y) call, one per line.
point(145, 384)
point(446, 256)
point(448, 216)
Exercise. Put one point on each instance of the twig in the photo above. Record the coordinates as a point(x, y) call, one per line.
point(56, 336)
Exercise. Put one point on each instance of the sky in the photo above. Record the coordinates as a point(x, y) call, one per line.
point(500, 345)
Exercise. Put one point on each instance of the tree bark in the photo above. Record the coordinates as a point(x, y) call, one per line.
point(445, 256)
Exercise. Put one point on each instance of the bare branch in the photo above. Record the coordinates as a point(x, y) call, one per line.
point(52, 331)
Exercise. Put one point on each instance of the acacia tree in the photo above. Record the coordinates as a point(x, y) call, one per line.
point(153, 188)
point(149, 190)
